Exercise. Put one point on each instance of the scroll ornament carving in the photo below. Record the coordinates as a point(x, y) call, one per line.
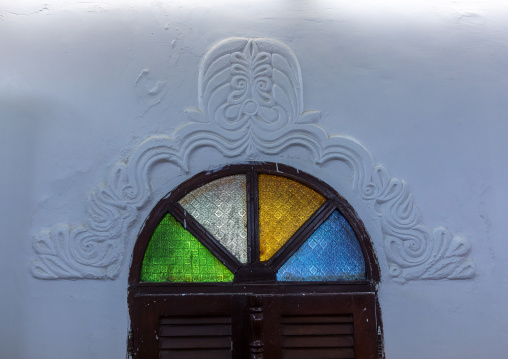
point(250, 106)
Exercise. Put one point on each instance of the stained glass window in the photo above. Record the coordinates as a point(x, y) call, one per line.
point(332, 252)
point(175, 255)
point(221, 207)
point(284, 206)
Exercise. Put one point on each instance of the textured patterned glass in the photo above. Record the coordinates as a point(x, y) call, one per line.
point(221, 207)
point(284, 206)
point(175, 255)
point(332, 252)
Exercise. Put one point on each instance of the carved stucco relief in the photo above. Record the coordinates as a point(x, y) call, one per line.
point(250, 105)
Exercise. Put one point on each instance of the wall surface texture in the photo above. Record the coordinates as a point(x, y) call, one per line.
point(423, 85)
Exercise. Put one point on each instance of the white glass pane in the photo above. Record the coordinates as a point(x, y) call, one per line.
point(221, 208)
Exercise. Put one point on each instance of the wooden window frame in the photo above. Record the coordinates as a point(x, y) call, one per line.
point(254, 278)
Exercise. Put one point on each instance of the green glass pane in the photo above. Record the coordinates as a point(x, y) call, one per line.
point(175, 255)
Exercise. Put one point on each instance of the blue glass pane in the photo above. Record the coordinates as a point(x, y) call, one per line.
point(332, 252)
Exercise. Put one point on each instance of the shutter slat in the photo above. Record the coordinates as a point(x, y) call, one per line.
point(195, 342)
point(195, 354)
point(195, 330)
point(317, 319)
point(195, 320)
point(313, 329)
point(321, 353)
point(317, 341)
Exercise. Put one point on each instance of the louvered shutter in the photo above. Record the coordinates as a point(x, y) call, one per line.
point(188, 336)
point(185, 326)
point(328, 326)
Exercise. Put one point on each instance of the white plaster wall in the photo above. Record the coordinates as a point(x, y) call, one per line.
point(422, 84)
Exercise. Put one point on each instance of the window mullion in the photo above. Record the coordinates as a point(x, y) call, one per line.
point(253, 216)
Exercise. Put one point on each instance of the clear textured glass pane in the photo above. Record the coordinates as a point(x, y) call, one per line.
point(221, 207)
point(332, 252)
point(175, 255)
point(284, 206)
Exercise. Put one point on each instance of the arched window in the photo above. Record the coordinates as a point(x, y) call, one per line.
point(253, 261)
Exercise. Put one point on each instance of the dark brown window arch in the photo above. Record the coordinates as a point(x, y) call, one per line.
point(254, 261)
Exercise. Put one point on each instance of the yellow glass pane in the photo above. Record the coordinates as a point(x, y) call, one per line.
point(284, 206)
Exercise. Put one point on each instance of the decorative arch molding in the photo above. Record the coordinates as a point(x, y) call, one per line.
point(250, 107)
